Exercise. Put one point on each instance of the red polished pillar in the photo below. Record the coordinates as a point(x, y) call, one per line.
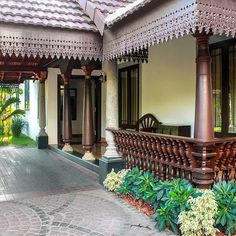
point(204, 121)
point(67, 125)
point(203, 174)
point(88, 121)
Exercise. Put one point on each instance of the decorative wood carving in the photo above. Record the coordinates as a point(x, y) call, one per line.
point(168, 157)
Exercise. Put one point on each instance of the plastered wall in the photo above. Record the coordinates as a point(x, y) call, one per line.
point(168, 82)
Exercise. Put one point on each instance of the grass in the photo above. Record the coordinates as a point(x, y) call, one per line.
point(22, 140)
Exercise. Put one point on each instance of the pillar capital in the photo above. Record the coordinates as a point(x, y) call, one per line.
point(202, 37)
point(66, 78)
point(88, 69)
point(42, 76)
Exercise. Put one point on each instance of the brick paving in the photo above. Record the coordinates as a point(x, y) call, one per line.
point(42, 194)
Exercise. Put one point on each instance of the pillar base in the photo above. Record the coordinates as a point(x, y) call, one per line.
point(203, 177)
point(67, 148)
point(107, 164)
point(42, 142)
point(88, 156)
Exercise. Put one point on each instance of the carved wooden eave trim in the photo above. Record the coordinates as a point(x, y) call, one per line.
point(53, 42)
point(165, 20)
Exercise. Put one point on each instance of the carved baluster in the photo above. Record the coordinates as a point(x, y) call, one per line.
point(224, 161)
point(233, 163)
point(188, 152)
point(162, 161)
point(175, 158)
point(155, 158)
point(143, 143)
point(160, 158)
point(152, 156)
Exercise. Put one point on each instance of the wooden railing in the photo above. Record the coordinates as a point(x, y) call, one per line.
point(168, 157)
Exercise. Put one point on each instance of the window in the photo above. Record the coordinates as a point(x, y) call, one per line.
point(128, 96)
point(224, 86)
point(27, 95)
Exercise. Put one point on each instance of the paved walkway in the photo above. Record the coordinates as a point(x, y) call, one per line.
point(42, 194)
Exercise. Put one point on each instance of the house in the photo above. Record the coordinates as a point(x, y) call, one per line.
point(174, 59)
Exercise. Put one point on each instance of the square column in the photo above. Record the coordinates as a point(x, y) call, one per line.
point(110, 159)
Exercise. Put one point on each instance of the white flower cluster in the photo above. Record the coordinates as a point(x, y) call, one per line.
point(200, 219)
point(114, 180)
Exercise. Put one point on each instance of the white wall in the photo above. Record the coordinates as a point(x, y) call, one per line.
point(168, 82)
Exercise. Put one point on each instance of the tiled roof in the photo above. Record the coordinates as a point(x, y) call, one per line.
point(52, 13)
point(121, 13)
point(109, 6)
point(56, 13)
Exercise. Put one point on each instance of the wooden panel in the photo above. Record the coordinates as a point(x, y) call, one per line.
point(177, 130)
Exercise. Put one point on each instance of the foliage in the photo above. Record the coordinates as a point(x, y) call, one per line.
point(128, 185)
point(225, 194)
point(6, 110)
point(171, 199)
point(8, 103)
point(181, 207)
point(1, 129)
point(199, 219)
point(17, 126)
point(4, 140)
point(114, 180)
point(145, 186)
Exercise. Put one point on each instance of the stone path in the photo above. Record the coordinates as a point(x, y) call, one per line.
point(62, 199)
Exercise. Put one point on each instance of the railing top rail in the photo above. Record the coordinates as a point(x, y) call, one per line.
point(181, 138)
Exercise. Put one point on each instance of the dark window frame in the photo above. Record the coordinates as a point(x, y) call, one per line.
point(129, 123)
point(225, 88)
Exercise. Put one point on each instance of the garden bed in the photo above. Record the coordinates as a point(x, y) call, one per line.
point(140, 205)
point(176, 205)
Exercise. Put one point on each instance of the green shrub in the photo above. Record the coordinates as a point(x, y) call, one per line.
point(178, 205)
point(146, 186)
point(199, 219)
point(225, 194)
point(170, 200)
point(17, 126)
point(114, 180)
point(128, 185)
